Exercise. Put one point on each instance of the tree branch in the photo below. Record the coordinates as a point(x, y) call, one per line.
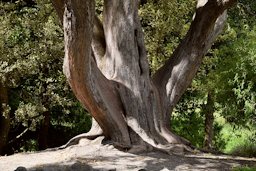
point(98, 40)
point(18, 136)
point(176, 75)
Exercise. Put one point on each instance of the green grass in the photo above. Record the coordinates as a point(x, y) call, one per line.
point(244, 169)
point(241, 141)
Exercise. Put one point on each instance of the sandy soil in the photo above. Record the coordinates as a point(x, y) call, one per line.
point(91, 155)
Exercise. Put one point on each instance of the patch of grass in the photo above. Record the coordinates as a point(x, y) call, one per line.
point(248, 149)
point(244, 169)
point(240, 142)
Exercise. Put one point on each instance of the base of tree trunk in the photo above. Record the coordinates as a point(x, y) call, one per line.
point(95, 136)
point(94, 157)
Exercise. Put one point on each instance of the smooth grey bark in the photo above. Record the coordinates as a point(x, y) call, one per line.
point(107, 68)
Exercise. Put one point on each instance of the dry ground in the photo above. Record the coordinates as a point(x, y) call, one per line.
point(90, 155)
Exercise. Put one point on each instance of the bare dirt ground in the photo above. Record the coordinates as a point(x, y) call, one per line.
point(91, 156)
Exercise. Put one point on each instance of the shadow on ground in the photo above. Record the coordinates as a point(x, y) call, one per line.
point(153, 161)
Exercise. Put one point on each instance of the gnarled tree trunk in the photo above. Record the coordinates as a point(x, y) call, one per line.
point(107, 68)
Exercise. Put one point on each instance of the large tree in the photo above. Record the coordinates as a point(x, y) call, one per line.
point(107, 68)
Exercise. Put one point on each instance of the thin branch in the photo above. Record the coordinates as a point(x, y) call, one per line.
point(18, 136)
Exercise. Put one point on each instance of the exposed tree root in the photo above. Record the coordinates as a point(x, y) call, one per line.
point(166, 141)
point(177, 149)
point(75, 140)
point(94, 132)
point(171, 149)
point(174, 144)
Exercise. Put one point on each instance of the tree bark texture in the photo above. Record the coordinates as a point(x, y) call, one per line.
point(43, 132)
point(106, 66)
point(4, 118)
point(209, 119)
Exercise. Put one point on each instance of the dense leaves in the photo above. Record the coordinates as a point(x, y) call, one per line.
point(31, 44)
point(228, 71)
point(164, 23)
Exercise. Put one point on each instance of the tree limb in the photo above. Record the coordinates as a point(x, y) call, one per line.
point(176, 75)
point(19, 136)
point(98, 40)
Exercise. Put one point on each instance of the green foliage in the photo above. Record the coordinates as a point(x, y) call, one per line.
point(229, 71)
point(99, 8)
point(29, 145)
point(32, 50)
point(191, 124)
point(248, 149)
point(240, 141)
point(189, 116)
point(164, 24)
point(28, 112)
point(235, 74)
